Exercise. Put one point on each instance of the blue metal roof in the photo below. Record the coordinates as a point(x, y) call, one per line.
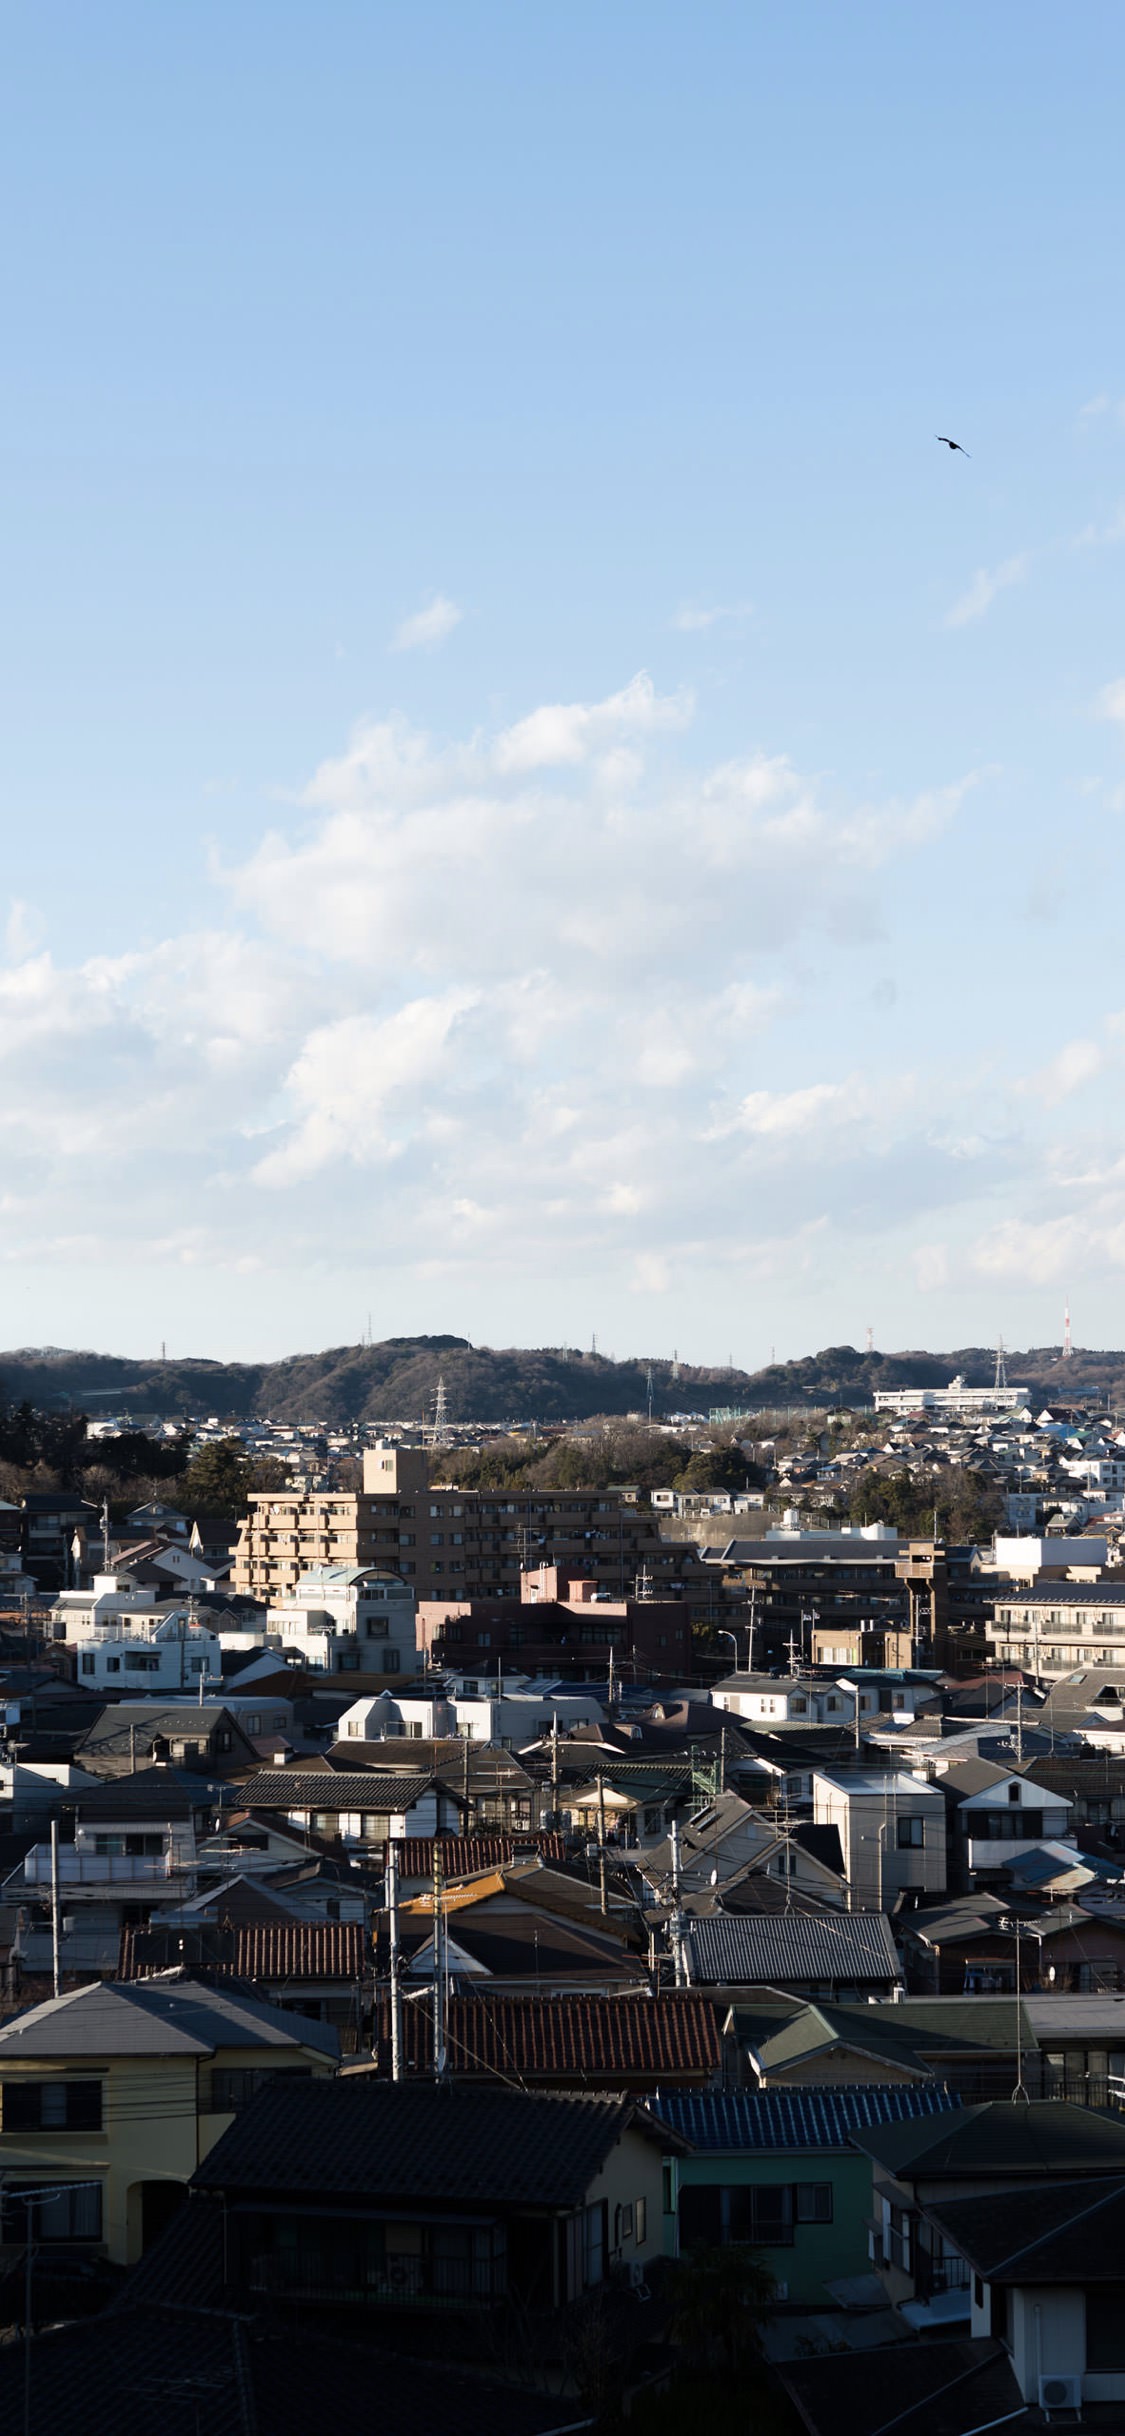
point(746, 2119)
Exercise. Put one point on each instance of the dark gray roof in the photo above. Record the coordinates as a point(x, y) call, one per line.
point(417, 2141)
point(150, 2017)
point(756, 1950)
point(1005, 2136)
point(746, 2119)
point(1060, 2233)
point(179, 2370)
point(918, 2389)
point(324, 1789)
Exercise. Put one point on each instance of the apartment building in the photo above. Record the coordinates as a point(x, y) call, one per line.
point(457, 1543)
point(1054, 1627)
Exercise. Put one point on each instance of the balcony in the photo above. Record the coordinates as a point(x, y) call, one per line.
point(398, 2282)
point(98, 1869)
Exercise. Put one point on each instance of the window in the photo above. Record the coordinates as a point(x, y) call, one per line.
point(437, 1539)
point(354, 1726)
point(910, 1834)
point(55, 2105)
point(390, 1662)
point(640, 2220)
point(73, 2214)
point(622, 2224)
point(1013, 1793)
point(814, 2203)
point(113, 1666)
point(88, 1663)
point(134, 1846)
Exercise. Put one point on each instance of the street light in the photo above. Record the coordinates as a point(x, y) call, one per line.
point(722, 1634)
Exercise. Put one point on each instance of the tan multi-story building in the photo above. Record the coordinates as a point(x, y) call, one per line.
point(459, 1543)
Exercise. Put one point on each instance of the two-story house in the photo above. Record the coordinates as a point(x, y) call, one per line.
point(110, 2095)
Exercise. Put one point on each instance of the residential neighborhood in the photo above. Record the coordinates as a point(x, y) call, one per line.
point(678, 1885)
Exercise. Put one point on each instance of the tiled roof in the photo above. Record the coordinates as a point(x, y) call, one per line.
point(170, 2016)
point(794, 2118)
point(756, 1950)
point(918, 2389)
point(461, 1855)
point(135, 2369)
point(322, 1789)
point(416, 2141)
point(253, 1949)
point(1053, 2233)
point(1038, 2137)
point(593, 2039)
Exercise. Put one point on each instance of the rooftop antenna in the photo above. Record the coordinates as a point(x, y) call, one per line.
point(1001, 1378)
point(1067, 1348)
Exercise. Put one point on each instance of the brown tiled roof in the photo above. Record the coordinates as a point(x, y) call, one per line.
point(593, 2041)
point(254, 1949)
point(461, 1855)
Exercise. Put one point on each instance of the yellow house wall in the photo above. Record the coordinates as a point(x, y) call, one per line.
point(156, 2127)
point(633, 2171)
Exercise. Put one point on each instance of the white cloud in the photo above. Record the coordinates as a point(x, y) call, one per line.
point(492, 1007)
point(1073, 1065)
point(1111, 701)
point(428, 626)
point(982, 591)
point(564, 733)
point(691, 619)
point(931, 1267)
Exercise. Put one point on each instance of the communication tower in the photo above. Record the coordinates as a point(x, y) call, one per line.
point(1001, 1378)
point(1067, 1346)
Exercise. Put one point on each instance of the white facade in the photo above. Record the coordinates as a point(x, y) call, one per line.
point(1024, 1558)
point(512, 1719)
point(956, 1398)
point(345, 1619)
point(891, 1828)
point(167, 1654)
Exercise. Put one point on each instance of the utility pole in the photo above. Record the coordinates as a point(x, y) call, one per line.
point(677, 1923)
point(555, 1766)
point(439, 1970)
point(390, 1893)
point(57, 1974)
point(603, 1898)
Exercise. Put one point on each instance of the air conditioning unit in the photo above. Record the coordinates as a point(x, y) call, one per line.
point(1060, 2394)
point(781, 2292)
point(635, 2274)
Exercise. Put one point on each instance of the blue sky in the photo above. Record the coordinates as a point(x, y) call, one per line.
point(539, 799)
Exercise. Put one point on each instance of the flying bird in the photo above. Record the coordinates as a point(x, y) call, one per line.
point(940, 435)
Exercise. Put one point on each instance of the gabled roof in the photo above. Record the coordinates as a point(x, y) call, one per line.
point(590, 2039)
point(1005, 2136)
point(916, 2389)
point(326, 1789)
point(1061, 2233)
point(737, 2121)
point(290, 1950)
point(178, 2016)
point(420, 2141)
point(135, 2368)
point(758, 1949)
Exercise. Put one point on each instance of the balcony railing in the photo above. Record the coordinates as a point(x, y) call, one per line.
point(939, 2274)
point(402, 2282)
point(100, 1868)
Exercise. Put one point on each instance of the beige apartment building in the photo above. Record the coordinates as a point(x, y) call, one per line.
point(459, 1543)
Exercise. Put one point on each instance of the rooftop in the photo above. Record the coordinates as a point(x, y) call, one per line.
point(420, 2141)
point(768, 2119)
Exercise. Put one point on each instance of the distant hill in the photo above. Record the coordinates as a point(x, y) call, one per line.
point(397, 1381)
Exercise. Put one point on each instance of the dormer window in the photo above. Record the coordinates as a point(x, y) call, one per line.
point(1013, 1793)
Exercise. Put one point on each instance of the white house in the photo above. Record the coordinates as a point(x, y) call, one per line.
point(163, 1653)
point(511, 1718)
point(348, 1619)
point(892, 1830)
